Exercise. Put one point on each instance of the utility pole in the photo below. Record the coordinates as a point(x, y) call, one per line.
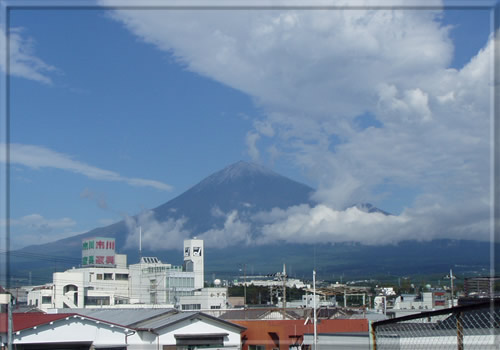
point(9, 325)
point(284, 291)
point(315, 340)
point(245, 287)
point(451, 278)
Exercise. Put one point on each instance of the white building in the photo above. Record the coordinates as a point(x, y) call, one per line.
point(153, 282)
point(428, 301)
point(308, 301)
point(205, 299)
point(290, 283)
point(105, 280)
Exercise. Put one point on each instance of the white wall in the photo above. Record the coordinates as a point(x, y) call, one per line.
point(200, 326)
point(207, 298)
point(73, 329)
point(35, 298)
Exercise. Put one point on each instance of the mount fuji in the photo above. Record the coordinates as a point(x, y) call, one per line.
point(249, 188)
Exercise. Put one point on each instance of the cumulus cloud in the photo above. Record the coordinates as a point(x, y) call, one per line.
point(314, 73)
point(320, 224)
point(156, 235)
point(23, 62)
point(234, 232)
point(37, 157)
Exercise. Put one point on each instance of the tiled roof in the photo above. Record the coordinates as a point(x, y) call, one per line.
point(28, 320)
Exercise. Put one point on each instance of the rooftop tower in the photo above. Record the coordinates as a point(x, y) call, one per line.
point(193, 260)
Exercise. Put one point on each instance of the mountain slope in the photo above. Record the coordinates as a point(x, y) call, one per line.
point(246, 187)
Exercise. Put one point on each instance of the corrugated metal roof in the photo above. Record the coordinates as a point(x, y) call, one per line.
point(28, 320)
point(248, 314)
point(161, 322)
point(124, 317)
point(168, 320)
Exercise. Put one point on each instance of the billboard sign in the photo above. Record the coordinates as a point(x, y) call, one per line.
point(98, 252)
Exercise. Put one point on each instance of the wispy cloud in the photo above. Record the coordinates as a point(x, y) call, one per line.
point(36, 229)
point(37, 157)
point(98, 198)
point(22, 60)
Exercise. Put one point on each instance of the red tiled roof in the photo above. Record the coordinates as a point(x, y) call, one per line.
point(27, 320)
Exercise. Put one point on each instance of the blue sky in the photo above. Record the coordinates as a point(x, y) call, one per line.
point(114, 112)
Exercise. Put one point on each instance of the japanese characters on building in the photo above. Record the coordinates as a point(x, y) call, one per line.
point(98, 252)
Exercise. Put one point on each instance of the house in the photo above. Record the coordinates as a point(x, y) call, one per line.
point(48, 331)
point(289, 334)
point(121, 329)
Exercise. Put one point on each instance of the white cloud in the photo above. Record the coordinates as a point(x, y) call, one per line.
point(320, 224)
point(37, 157)
point(155, 235)
point(34, 228)
point(23, 62)
point(234, 232)
point(251, 142)
point(314, 72)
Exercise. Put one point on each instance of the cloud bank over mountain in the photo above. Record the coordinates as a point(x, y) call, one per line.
point(305, 223)
point(363, 100)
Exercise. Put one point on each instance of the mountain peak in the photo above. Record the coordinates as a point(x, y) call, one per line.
point(369, 208)
point(238, 170)
point(245, 168)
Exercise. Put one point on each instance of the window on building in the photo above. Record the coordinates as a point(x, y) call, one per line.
point(215, 307)
point(96, 300)
point(256, 347)
point(108, 276)
point(46, 300)
point(121, 301)
point(191, 306)
point(121, 276)
point(99, 276)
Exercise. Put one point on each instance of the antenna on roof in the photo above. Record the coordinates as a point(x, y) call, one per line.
point(140, 243)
